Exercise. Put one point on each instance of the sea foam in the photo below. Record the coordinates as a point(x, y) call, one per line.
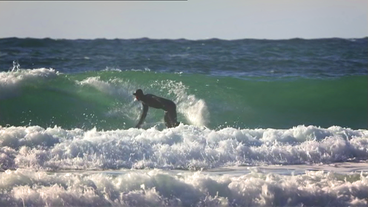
point(183, 147)
point(159, 188)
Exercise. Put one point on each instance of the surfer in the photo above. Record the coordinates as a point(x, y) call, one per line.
point(149, 100)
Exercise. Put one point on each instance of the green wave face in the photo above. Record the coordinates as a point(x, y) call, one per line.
point(104, 100)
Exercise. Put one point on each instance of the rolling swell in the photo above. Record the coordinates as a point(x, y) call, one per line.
point(104, 100)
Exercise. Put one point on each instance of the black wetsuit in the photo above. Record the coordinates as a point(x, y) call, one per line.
point(149, 100)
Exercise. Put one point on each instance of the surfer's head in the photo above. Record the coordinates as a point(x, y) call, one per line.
point(138, 94)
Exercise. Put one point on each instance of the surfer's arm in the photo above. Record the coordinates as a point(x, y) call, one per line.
point(143, 116)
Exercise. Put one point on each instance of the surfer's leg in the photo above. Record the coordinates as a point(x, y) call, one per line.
point(167, 119)
point(172, 117)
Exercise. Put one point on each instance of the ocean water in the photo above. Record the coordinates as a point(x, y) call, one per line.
point(263, 122)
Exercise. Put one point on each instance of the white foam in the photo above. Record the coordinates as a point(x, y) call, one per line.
point(26, 152)
point(187, 147)
point(159, 188)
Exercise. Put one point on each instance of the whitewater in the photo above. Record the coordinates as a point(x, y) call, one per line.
point(262, 125)
point(184, 166)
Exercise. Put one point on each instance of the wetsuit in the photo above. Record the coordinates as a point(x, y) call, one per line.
point(149, 100)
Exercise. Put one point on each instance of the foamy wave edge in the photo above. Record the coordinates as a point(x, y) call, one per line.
point(183, 147)
point(159, 188)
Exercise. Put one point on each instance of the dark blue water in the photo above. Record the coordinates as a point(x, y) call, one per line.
point(274, 58)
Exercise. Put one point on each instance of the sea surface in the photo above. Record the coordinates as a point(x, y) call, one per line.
point(263, 122)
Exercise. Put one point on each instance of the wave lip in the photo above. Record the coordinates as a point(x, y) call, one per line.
point(11, 81)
